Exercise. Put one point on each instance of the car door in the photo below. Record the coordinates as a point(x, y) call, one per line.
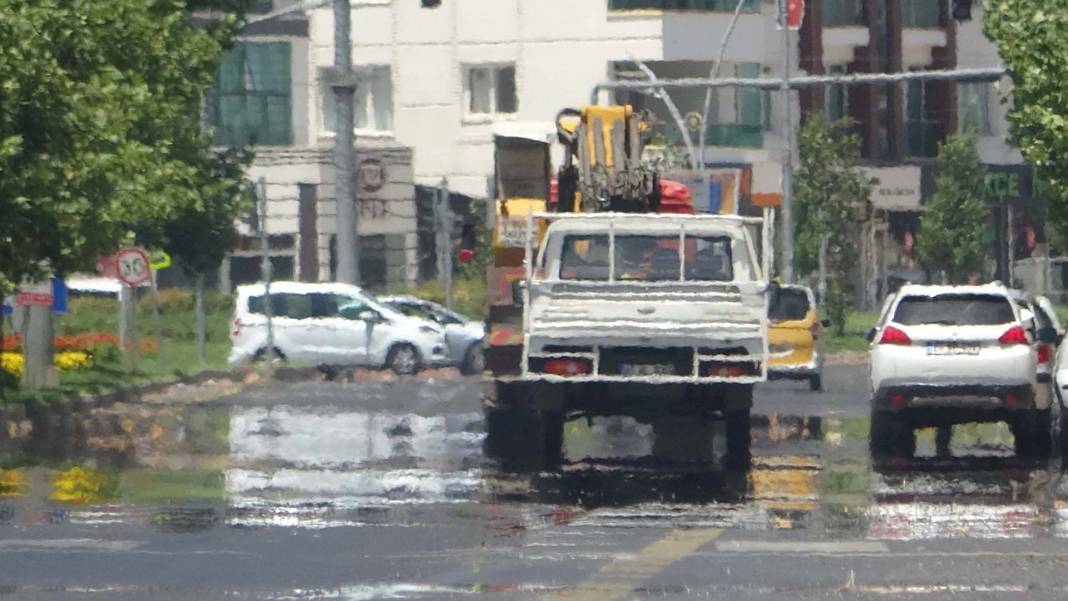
point(348, 334)
point(791, 337)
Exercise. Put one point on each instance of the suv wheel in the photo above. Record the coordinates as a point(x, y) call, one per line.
point(1031, 434)
point(891, 435)
point(275, 357)
point(403, 359)
point(815, 382)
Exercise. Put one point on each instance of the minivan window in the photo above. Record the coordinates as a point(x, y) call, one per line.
point(792, 305)
point(307, 306)
point(954, 310)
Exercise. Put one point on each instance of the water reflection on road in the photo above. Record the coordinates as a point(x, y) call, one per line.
point(248, 462)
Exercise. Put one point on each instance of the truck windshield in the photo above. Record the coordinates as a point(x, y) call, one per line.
point(646, 258)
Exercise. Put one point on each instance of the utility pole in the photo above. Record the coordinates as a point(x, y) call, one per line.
point(266, 273)
point(348, 263)
point(787, 160)
point(444, 235)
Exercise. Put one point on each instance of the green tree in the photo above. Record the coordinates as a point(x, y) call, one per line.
point(99, 123)
point(1029, 35)
point(955, 233)
point(833, 200)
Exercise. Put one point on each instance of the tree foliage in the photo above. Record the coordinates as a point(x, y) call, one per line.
point(955, 233)
point(1030, 38)
point(833, 200)
point(100, 124)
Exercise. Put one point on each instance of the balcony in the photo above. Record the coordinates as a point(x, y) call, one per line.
point(922, 138)
point(750, 6)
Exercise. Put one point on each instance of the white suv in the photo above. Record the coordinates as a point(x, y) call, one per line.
point(949, 354)
point(332, 324)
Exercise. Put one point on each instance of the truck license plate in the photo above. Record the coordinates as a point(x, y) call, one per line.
point(648, 369)
point(953, 349)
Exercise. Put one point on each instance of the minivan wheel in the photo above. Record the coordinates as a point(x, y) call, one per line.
point(403, 359)
point(474, 361)
point(277, 357)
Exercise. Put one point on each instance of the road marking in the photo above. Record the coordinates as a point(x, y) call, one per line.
point(68, 544)
point(761, 546)
point(624, 574)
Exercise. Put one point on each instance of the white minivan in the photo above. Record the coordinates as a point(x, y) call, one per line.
point(332, 324)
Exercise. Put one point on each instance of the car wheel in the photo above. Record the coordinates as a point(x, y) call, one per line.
point(403, 359)
point(275, 357)
point(474, 361)
point(1031, 434)
point(891, 436)
point(815, 383)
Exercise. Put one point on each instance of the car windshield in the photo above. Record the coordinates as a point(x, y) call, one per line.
point(793, 304)
point(647, 258)
point(954, 310)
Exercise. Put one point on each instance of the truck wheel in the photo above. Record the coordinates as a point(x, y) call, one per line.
point(1032, 438)
point(739, 438)
point(891, 436)
point(474, 361)
point(522, 440)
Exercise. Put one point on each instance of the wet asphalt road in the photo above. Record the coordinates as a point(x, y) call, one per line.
point(321, 490)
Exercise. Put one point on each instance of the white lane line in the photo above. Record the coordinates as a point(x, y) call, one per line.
point(67, 544)
point(761, 546)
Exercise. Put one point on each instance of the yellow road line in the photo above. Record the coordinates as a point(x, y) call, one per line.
point(621, 576)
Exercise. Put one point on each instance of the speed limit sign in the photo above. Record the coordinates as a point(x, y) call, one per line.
point(132, 266)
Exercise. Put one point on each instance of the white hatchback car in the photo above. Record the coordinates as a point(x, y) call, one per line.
point(332, 324)
point(950, 354)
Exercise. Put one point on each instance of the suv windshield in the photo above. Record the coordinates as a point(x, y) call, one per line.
point(954, 310)
point(647, 258)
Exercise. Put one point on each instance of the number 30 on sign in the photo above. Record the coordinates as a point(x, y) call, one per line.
point(133, 266)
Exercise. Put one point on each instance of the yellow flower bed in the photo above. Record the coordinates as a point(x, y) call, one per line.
point(15, 363)
point(82, 486)
point(71, 360)
point(12, 363)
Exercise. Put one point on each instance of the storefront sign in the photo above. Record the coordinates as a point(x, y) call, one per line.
point(896, 188)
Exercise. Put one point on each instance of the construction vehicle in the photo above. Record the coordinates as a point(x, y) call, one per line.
point(601, 302)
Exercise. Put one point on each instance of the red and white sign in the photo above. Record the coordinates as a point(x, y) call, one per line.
point(795, 13)
point(132, 266)
point(33, 299)
point(34, 295)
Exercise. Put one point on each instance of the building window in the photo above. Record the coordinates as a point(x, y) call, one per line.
point(921, 14)
point(490, 89)
point(974, 107)
point(750, 6)
point(922, 134)
point(250, 101)
point(752, 106)
point(837, 97)
point(843, 13)
point(372, 101)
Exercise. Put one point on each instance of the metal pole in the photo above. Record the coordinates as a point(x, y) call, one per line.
point(348, 263)
point(266, 273)
point(787, 161)
point(445, 248)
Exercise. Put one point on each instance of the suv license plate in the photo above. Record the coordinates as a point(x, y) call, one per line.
point(648, 369)
point(953, 349)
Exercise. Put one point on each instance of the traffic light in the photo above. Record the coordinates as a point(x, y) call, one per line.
point(431, 3)
point(962, 10)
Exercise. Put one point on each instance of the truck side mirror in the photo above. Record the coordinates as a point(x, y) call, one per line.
point(1048, 335)
point(774, 288)
point(518, 286)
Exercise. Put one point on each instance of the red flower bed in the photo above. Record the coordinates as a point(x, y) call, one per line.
point(89, 342)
